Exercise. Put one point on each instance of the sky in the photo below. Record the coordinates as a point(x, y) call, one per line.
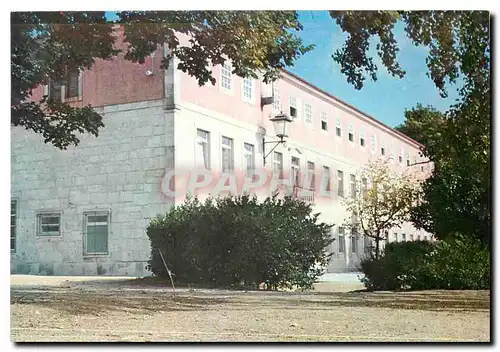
point(388, 97)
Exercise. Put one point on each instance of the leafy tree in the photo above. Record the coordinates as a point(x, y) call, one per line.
point(386, 204)
point(457, 195)
point(48, 45)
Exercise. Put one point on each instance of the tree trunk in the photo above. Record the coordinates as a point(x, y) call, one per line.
point(377, 246)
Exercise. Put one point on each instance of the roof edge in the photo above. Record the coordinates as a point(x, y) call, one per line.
point(302, 80)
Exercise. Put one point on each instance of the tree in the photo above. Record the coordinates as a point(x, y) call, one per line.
point(48, 45)
point(386, 204)
point(457, 197)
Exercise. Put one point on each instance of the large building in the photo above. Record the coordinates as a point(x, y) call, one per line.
point(84, 210)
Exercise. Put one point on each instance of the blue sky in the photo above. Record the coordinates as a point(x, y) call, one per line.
point(388, 97)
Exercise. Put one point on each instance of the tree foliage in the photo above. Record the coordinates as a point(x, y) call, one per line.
point(48, 45)
point(457, 195)
point(386, 204)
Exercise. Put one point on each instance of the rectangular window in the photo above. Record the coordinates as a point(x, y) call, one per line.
point(367, 244)
point(341, 240)
point(395, 237)
point(324, 121)
point(308, 112)
point(276, 99)
point(382, 151)
point(407, 159)
point(364, 185)
point(391, 156)
point(293, 107)
point(227, 155)
point(311, 175)
point(55, 90)
point(248, 89)
point(353, 185)
point(49, 224)
point(338, 127)
point(401, 156)
point(326, 177)
point(351, 134)
point(226, 76)
point(278, 164)
point(96, 227)
point(72, 87)
point(411, 237)
point(249, 160)
point(13, 224)
point(362, 139)
point(340, 183)
point(354, 241)
point(419, 238)
point(294, 170)
point(374, 143)
point(202, 155)
point(403, 237)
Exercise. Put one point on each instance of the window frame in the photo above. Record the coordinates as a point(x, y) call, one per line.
point(341, 234)
point(280, 163)
point(231, 148)
point(350, 134)
point(296, 181)
point(276, 99)
point(352, 183)
point(246, 99)
point(308, 114)
point(328, 176)
point(311, 174)
point(338, 127)
point(40, 216)
point(202, 140)
point(324, 119)
point(340, 183)
point(225, 67)
point(86, 214)
point(292, 104)
point(249, 171)
point(14, 224)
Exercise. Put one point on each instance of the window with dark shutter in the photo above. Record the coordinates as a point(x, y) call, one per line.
point(72, 85)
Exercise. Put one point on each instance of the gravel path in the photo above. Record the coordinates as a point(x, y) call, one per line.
point(121, 309)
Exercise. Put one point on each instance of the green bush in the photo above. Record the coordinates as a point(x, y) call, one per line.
point(460, 263)
point(238, 242)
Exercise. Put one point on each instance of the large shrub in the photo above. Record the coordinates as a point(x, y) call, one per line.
point(237, 241)
point(458, 263)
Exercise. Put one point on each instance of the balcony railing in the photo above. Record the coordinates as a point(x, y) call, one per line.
point(304, 194)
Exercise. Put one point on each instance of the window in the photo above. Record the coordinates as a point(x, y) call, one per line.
point(72, 87)
point(411, 237)
point(293, 106)
point(419, 238)
point(407, 159)
point(341, 240)
point(403, 237)
point(395, 237)
point(49, 224)
point(276, 99)
point(326, 177)
point(421, 169)
point(308, 112)
point(227, 155)
point(374, 143)
point(311, 175)
point(226, 76)
point(278, 164)
point(13, 224)
point(351, 134)
point(364, 185)
point(340, 183)
point(401, 156)
point(96, 232)
point(392, 153)
point(354, 241)
point(367, 244)
point(324, 121)
point(362, 139)
point(68, 88)
point(353, 185)
point(295, 170)
point(249, 159)
point(382, 150)
point(338, 127)
point(202, 156)
point(248, 89)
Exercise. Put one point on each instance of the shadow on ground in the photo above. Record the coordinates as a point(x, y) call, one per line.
point(144, 300)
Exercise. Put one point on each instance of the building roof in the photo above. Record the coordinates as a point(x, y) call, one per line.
point(402, 135)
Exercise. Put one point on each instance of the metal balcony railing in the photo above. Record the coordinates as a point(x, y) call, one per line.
point(304, 194)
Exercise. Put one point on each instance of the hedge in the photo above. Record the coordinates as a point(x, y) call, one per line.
point(237, 241)
point(460, 263)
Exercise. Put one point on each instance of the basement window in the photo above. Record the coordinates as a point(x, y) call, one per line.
point(49, 224)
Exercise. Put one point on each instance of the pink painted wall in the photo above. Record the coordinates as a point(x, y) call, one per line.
point(118, 81)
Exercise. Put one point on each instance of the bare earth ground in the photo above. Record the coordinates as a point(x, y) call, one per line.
point(85, 309)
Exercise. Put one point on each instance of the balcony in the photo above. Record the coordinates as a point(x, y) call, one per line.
point(304, 194)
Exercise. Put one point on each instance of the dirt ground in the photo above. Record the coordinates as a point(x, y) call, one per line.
point(85, 309)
